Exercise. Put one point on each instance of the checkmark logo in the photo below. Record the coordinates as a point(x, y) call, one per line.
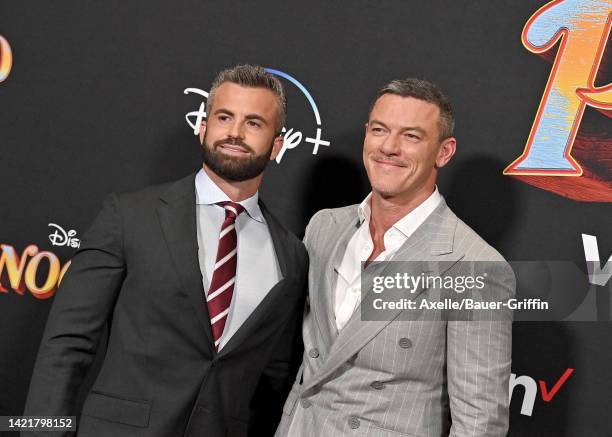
point(547, 396)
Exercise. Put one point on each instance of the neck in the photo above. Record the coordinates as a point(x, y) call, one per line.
point(388, 210)
point(236, 191)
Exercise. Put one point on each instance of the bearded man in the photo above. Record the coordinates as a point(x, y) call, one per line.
point(201, 287)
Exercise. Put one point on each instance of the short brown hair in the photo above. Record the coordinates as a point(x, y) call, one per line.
point(422, 90)
point(252, 76)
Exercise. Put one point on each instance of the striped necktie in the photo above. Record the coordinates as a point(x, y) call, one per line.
point(223, 280)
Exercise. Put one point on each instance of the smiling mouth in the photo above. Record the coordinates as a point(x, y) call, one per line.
point(233, 149)
point(389, 163)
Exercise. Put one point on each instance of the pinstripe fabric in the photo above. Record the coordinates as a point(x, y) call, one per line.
point(400, 378)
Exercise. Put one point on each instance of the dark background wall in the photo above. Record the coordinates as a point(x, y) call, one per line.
point(95, 103)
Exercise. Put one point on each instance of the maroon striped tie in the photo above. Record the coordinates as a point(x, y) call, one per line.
point(223, 280)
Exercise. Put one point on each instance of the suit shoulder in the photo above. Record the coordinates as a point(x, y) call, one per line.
point(328, 222)
point(333, 215)
point(143, 202)
point(473, 245)
point(148, 193)
point(149, 196)
point(477, 250)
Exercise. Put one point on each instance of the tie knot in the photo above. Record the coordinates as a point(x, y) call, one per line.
point(232, 209)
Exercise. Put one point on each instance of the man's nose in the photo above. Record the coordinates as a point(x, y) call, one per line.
point(236, 129)
point(390, 145)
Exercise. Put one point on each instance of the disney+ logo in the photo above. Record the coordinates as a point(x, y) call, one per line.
point(292, 137)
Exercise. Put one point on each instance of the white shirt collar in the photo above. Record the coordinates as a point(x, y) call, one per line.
point(208, 193)
point(411, 221)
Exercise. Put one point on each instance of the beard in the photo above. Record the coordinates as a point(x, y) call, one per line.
point(232, 168)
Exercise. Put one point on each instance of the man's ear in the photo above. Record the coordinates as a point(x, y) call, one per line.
point(446, 152)
point(277, 145)
point(202, 131)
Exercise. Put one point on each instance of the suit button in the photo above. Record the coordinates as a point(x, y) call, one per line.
point(377, 385)
point(305, 403)
point(353, 422)
point(405, 343)
point(313, 353)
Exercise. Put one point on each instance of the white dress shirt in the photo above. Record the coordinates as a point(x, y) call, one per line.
point(347, 293)
point(257, 269)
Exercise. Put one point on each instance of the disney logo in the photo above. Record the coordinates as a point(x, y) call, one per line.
point(62, 238)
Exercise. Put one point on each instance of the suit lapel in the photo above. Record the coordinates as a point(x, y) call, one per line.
point(322, 297)
point(426, 247)
point(177, 216)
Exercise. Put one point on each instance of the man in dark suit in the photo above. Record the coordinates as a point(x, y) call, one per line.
point(201, 287)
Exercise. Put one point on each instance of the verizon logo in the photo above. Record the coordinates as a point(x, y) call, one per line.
point(547, 392)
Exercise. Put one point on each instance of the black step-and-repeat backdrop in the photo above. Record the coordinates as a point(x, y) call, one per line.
point(104, 96)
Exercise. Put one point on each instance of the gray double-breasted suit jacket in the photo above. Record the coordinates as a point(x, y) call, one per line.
point(394, 377)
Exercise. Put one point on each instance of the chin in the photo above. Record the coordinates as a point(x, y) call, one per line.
point(384, 182)
point(385, 190)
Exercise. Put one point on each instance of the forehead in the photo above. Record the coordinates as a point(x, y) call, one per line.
point(238, 98)
point(398, 111)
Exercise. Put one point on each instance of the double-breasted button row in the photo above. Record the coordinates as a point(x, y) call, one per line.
point(313, 353)
point(305, 403)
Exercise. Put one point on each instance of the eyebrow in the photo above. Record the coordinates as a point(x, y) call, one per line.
point(248, 116)
point(256, 117)
point(405, 128)
point(224, 111)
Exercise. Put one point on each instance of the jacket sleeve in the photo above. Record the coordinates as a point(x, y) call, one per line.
point(80, 309)
point(478, 362)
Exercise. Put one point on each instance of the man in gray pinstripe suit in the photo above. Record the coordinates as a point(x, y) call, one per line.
point(399, 376)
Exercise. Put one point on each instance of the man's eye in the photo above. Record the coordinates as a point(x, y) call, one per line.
point(253, 123)
point(412, 137)
point(223, 117)
point(378, 130)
